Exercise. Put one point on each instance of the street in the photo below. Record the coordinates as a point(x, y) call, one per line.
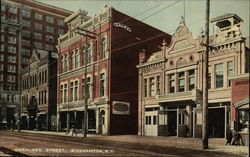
point(31, 144)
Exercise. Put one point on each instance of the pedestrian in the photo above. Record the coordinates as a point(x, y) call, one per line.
point(229, 137)
point(236, 138)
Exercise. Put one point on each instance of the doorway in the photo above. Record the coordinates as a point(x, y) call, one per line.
point(216, 122)
point(172, 123)
point(102, 122)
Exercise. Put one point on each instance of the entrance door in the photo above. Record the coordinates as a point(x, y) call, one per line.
point(182, 127)
point(151, 123)
point(103, 127)
point(172, 123)
point(216, 122)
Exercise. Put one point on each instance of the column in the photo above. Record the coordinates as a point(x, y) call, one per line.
point(97, 121)
point(58, 121)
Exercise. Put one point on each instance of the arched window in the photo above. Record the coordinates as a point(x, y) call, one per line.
point(77, 59)
point(73, 60)
point(104, 47)
point(65, 63)
point(88, 53)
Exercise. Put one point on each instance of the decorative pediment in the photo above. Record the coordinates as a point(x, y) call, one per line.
point(182, 45)
point(155, 56)
point(34, 57)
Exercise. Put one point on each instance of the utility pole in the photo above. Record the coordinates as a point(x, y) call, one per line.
point(205, 83)
point(86, 94)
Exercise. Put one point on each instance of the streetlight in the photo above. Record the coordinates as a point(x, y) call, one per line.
point(86, 96)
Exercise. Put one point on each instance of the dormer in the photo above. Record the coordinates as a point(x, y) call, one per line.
point(228, 25)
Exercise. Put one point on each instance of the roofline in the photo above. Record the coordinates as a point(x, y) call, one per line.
point(51, 6)
point(226, 16)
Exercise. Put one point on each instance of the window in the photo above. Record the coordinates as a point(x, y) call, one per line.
point(49, 38)
point(38, 16)
point(145, 87)
point(25, 61)
point(104, 47)
point(26, 33)
point(191, 79)
point(1, 77)
point(181, 118)
point(71, 91)
point(219, 75)
point(1, 57)
point(73, 61)
point(49, 47)
point(102, 85)
point(2, 6)
point(11, 49)
point(154, 120)
point(12, 40)
point(50, 19)
point(38, 36)
point(61, 93)
point(88, 54)
point(38, 26)
point(60, 22)
point(1, 67)
point(11, 78)
point(87, 92)
point(171, 83)
point(152, 86)
point(2, 17)
point(2, 47)
point(12, 59)
point(209, 81)
point(60, 31)
point(65, 93)
point(49, 29)
point(2, 38)
point(25, 42)
point(25, 52)
point(26, 13)
point(76, 93)
point(12, 31)
point(77, 59)
point(148, 120)
point(230, 71)
point(38, 45)
point(181, 81)
point(13, 9)
point(26, 23)
point(11, 68)
point(65, 63)
point(13, 19)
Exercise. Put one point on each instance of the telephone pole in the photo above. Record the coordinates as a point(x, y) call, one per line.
point(205, 83)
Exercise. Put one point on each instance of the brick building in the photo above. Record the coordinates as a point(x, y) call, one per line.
point(111, 48)
point(38, 96)
point(170, 81)
point(25, 25)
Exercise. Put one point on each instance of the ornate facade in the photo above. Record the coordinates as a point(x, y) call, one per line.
point(107, 45)
point(170, 81)
point(38, 97)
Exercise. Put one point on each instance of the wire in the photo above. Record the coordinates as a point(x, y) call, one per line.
point(160, 10)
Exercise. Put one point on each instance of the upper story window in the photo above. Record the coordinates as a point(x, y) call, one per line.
point(230, 71)
point(191, 79)
point(76, 92)
point(25, 52)
point(88, 54)
point(38, 36)
point(2, 7)
point(1, 57)
point(102, 85)
point(1, 67)
point(26, 23)
point(13, 19)
point(26, 13)
point(65, 63)
point(12, 59)
point(158, 85)
point(60, 31)
point(151, 86)
point(3, 16)
point(12, 31)
point(65, 93)
point(87, 91)
point(77, 59)
point(38, 16)
point(50, 19)
point(38, 26)
point(60, 22)
point(181, 77)
point(1, 77)
point(12, 40)
point(2, 38)
point(25, 42)
point(104, 47)
point(11, 49)
point(38, 45)
point(171, 83)
point(26, 33)
point(11, 78)
point(2, 47)
point(219, 75)
point(49, 29)
point(13, 9)
point(11, 68)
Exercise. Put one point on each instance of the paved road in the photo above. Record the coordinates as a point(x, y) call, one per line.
point(52, 145)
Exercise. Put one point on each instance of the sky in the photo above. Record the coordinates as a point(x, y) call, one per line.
point(165, 14)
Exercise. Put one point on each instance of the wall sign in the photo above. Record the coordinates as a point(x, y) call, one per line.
point(121, 25)
point(121, 108)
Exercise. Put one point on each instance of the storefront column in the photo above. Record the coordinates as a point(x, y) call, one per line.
point(68, 121)
point(58, 121)
point(97, 121)
point(189, 119)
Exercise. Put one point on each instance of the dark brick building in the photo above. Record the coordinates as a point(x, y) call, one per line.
point(112, 55)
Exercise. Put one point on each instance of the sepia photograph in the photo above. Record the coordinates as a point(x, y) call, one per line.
point(124, 78)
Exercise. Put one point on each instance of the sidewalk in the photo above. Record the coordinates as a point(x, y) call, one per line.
point(215, 144)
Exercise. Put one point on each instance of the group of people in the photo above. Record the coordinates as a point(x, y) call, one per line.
point(234, 138)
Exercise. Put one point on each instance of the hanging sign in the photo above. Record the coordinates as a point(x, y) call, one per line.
point(121, 25)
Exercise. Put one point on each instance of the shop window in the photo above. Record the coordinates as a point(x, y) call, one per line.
point(243, 116)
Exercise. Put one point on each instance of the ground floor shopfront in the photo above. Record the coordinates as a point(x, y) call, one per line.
point(71, 115)
point(184, 119)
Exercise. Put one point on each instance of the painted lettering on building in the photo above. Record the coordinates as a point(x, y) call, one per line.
point(121, 25)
